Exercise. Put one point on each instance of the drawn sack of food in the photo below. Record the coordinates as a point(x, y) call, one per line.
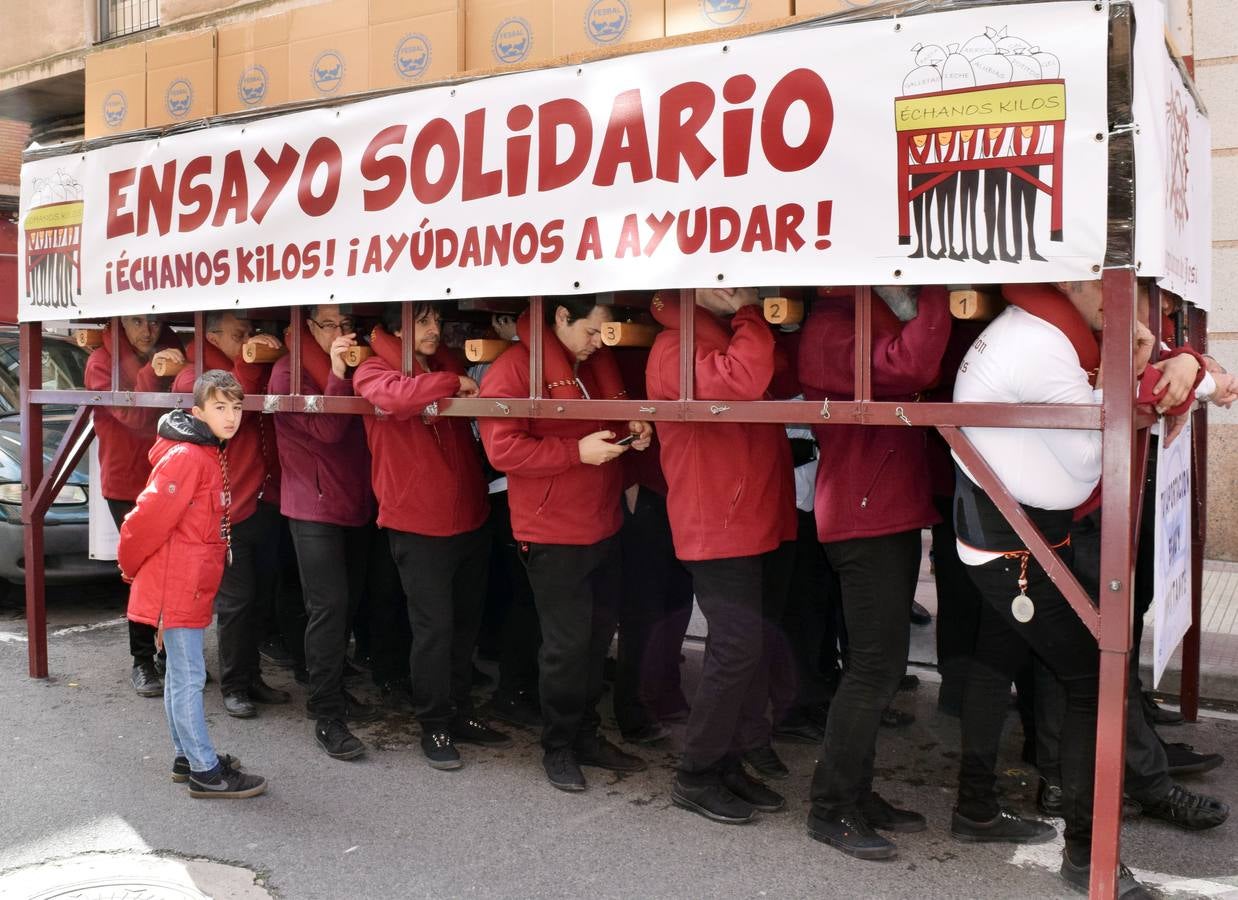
point(992, 68)
point(929, 54)
point(956, 71)
point(1026, 67)
point(1050, 66)
point(980, 45)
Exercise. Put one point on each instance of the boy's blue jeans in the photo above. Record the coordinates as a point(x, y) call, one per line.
point(182, 698)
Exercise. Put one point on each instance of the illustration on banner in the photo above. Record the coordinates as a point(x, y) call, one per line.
point(53, 249)
point(995, 107)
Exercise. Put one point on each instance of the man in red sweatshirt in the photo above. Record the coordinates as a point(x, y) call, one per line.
point(432, 501)
point(252, 576)
point(126, 434)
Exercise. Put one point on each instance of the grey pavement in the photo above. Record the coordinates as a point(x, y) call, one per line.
point(85, 771)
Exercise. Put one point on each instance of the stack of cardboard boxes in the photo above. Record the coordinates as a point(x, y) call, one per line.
point(343, 47)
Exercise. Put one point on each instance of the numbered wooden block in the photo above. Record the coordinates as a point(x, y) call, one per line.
point(355, 356)
point(784, 311)
point(260, 353)
point(975, 306)
point(90, 338)
point(484, 350)
point(628, 334)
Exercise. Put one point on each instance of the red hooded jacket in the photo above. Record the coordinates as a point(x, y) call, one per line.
point(171, 545)
point(253, 455)
point(873, 480)
point(126, 433)
point(426, 468)
point(731, 487)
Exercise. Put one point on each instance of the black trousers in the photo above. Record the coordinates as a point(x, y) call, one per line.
point(520, 632)
point(958, 609)
point(743, 599)
point(1003, 647)
point(383, 615)
point(878, 577)
point(333, 561)
point(141, 635)
point(653, 616)
point(444, 582)
point(284, 618)
point(577, 590)
point(248, 582)
point(810, 620)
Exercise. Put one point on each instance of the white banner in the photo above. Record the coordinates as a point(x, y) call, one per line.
point(1171, 602)
point(954, 147)
point(1173, 168)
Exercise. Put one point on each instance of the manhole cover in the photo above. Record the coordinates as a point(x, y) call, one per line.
point(122, 889)
point(132, 876)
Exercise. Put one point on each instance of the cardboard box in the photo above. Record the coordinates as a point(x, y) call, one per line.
point(685, 16)
point(583, 25)
point(329, 50)
point(116, 90)
point(180, 78)
point(410, 49)
point(253, 64)
point(506, 32)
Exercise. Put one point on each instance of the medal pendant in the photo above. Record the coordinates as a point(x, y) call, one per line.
point(1022, 608)
point(230, 559)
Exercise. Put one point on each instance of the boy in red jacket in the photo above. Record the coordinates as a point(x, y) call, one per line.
point(173, 548)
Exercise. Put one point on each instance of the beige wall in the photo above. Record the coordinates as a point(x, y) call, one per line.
point(1215, 45)
point(44, 28)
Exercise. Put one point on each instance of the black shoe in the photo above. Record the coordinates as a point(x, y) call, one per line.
point(397, 694)
point(896, 718)
point(181, 771)
point(1004, 828)
point(602, 754)
point(880, 813)
point(226, 784)
point(1187, 810)
point(261, 692)
point(440, 750)
point(1183, 760)
point(239, 706)
point(1078, 877)
point(1159, 715)
point(334, 737)
point(1049, 799)
point(647, 735)
point(562, 770)
point(753, 792)
point(909, 683)
point(519, 710)
point(920, 615)
point(714, 801)
point(849, 833)
point(274, 652)
point(145, 680)
point(765, 762)
point(356, 711)
point(473, 730)
point(800, 730)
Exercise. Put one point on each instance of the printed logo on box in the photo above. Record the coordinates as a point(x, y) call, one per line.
point(607, 21)
point(327, 72)
point(178, 98)
point(724, 12)
point(412, 56)
point(115, 108)
point(251, 86)
point(513, 40)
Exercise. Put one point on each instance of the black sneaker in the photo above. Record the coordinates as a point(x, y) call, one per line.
point(1187, 810)
point(145, 679)
point(261, 692)
point(880, 813)
point(849, 833)
point(765, 762)
point(181, 771)
point(714, 801)
point(602, 754)
point(909, 683)
point(519, 710)
point(920, 615)
point(896, 718)
point(274, 652)
point(225, 784)
point(753, 792)
point(1004, 828)
point(1078, 878)
point(334, 737)
point(440, 751)
point(356, 711)
point(239, 706)
point(1183, 760)
point(475, 731)
point(1049, 799)
point(562, 770)
point(1159, 715)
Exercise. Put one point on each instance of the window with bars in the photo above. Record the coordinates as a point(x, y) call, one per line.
point(120, 17)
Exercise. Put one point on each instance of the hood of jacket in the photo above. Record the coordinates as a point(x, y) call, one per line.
point(179, 425)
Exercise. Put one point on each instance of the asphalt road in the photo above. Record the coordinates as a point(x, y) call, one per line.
point(83, 769)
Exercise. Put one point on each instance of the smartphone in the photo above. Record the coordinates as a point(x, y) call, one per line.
point(624, 441)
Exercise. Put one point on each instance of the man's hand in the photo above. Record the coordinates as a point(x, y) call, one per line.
point(266, 340)
point(1227, 389)
point(339, 347)
point(1177, 380)
point(468, 387)
point(1171, 427)
point(1144, 342)
point(644, 435)
point(1213, 366)
point(170, 355)
point(595, 449)
point(726, 301)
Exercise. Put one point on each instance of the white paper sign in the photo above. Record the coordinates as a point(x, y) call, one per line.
point(1171, 603)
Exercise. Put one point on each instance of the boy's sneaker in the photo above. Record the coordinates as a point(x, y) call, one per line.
point(145, 679)
point(440, 750)
point(334, 737)
point(473, 730)
point(181, 770)
point(225, 784)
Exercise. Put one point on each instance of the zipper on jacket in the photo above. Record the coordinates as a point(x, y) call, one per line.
point(877, 475)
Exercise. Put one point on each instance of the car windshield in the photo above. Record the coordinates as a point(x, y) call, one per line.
point(64, 368)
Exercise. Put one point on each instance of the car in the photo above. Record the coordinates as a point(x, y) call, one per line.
point(66, 540)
